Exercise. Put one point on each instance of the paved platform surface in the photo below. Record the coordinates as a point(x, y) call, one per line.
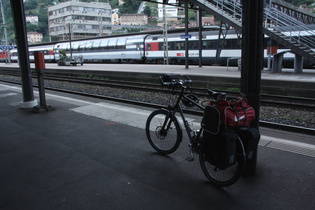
point(308, 75)
point(93, 154)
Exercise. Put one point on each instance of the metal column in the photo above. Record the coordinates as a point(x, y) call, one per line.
point(8, 60)
point(200, 36)
point(252, 59)
point(21, 39)
point(186, 33)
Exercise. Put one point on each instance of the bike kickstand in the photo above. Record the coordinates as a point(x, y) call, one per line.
point(191, 157)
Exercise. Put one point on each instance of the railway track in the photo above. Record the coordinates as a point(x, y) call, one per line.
point(268, 100)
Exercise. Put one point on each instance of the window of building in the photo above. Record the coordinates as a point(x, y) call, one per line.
point(88, 27)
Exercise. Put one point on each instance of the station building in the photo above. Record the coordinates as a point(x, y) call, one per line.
point(80, 19)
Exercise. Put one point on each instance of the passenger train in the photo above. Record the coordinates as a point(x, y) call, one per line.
point(148, 48)
point(47, 50)
point(4, 52)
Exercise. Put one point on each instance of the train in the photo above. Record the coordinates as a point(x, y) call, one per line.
point(47, 50)
point(4, 52)
point(149, 48)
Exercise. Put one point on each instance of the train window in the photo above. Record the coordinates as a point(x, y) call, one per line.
point(96, 45)
point(229, 43)
point(104, 44)
point(81, 47)
point(192, 45)
point(238, 44)
point(66, 47)
point(209, 44)
point(88, 46)
point(148, 46)
point(75, 46)
point(179, 45)
point(171, 46)
point(161, 46)
point(205, 45)
point(223, 44)
point(134, 45)
point(112, 44)
point(121, 43)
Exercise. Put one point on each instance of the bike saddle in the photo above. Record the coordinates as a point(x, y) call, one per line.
point(215, 94)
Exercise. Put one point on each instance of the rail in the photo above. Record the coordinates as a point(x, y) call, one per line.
point(83, 92)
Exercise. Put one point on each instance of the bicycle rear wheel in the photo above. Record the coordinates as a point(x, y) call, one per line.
point(227, 176)
point(163, 131)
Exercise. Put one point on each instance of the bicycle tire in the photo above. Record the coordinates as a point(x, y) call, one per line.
point(228, 176)
point(163, 141)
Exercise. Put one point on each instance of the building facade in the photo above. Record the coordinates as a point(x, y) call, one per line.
point(32, 19)
point(34, 37)
point(207, 21)
point(80, 19)
point(133, 19)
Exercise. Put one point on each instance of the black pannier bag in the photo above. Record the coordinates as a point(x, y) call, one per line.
point(250, 138)
point(220, 143)
point(221, 149)
point(211, 120)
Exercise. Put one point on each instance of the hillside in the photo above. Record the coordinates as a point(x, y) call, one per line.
point(39, 8)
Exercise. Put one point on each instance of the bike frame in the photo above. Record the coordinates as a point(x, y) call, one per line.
point(195, 138)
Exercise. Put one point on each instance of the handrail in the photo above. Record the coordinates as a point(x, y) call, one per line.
point(275, 21)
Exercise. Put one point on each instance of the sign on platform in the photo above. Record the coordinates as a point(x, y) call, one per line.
point(188, 36)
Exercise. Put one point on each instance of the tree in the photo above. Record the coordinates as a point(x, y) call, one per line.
point(147, 11)
point(30, 4)
point(130, 6)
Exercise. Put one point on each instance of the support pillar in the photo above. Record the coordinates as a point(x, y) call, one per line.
point(200, 36)
point(186, 33)
point(17, 8)
point(252, 61)
point(298, 64)
point(277, 63)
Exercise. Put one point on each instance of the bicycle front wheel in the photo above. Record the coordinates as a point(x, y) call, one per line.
point(163, 131)
point(225, 177)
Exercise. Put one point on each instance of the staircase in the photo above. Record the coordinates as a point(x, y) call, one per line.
point(286, 30)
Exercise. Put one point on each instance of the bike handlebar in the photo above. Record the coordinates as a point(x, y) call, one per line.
point(174, 80)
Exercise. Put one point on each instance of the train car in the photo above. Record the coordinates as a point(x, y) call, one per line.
point(148, 48)
point(3, 56)
point(230, 48)
point(4, 52)
point(47, 50)
point(121, 49)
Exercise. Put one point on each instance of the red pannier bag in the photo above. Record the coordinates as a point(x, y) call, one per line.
point(234, 113)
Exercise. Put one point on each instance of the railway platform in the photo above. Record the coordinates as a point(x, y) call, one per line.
point(93, 154)
point(308, 75)
point(301, 85)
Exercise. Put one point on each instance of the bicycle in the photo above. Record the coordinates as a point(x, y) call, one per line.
point(165, 134)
